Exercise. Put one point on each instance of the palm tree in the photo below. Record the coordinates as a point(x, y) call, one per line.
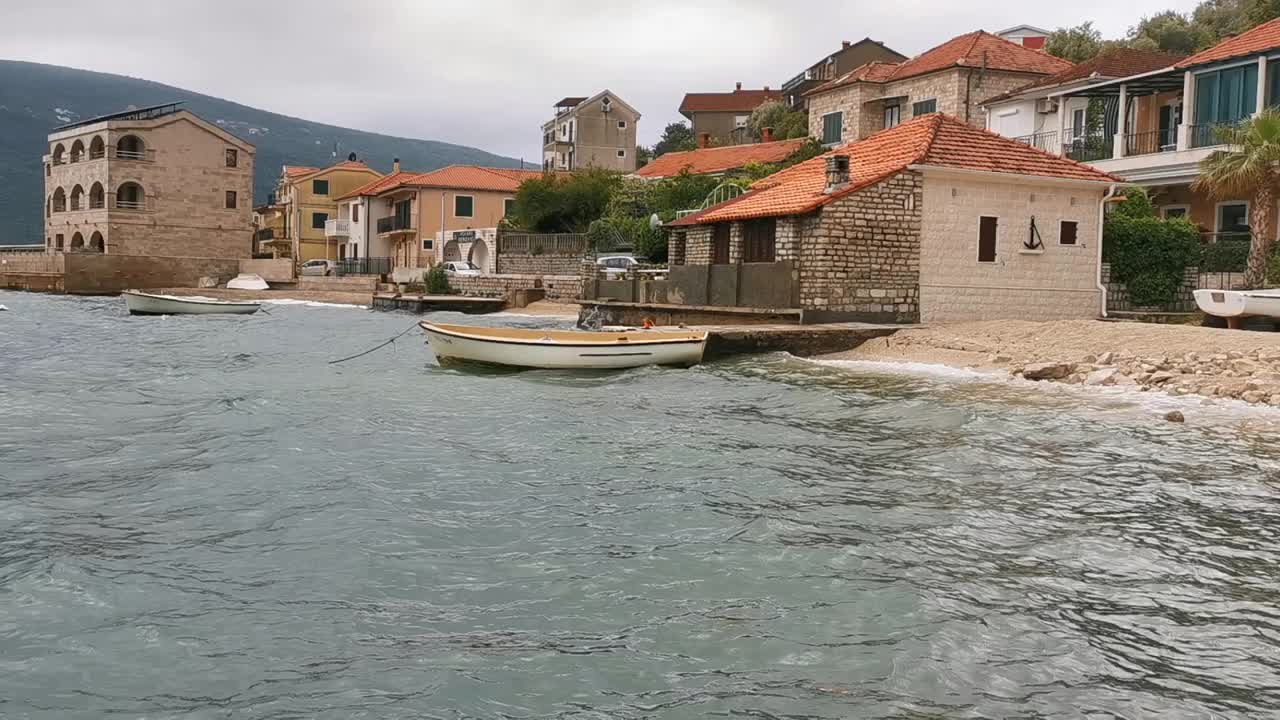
point(1251, 166)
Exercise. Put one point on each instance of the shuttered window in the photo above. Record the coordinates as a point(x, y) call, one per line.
point(758, 238)
point(832, 127)
point(720, 244)
point(1067, 233)
point(987, 239)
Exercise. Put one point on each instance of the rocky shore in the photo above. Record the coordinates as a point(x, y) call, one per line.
point(1173, 359)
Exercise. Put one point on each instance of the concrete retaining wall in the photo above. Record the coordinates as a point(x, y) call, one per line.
point(547, 264)
point(94, 274)
point(561, 288)
point(277, 270)
point(356, 283)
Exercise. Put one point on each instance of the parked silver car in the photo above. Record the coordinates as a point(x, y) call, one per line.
point(318, 267)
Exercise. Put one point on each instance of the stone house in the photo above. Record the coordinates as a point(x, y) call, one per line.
point(952, 78)
point(933, 220)
point(156, 181)
point(597, 131)
point(721, 118)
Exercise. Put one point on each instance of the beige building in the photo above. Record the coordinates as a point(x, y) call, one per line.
point(952, 78)
point(306, 200)
point(930, 221)
point(599, 131)
point(721, 118)
point(154, 181)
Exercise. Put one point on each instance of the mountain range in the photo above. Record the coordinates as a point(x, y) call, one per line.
point(36, 98)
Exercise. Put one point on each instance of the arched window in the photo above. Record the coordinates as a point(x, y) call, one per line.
point(77, 151)
point(59, 200)
point(130, 196)
point(59, 154)
point(97, 148)
point(95, 242)
point(97, 197)
point(77, 242)
point(77, 197)
point(130, 147)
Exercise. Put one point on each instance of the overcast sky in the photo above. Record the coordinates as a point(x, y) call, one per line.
point(485, 73)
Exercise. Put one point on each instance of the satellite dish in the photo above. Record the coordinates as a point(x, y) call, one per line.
point(655, 222)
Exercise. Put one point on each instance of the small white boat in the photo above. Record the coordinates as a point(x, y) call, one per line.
point(140, 303)
point(1239, 303)
point(564, 349)
point(247, 281)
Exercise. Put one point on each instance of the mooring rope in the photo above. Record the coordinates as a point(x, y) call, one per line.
point(376, 347)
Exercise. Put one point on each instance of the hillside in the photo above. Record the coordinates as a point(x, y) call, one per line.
point(35, 98)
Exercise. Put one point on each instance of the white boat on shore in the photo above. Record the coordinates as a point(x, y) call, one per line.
point(564, 349)
point(141, 303)
point(247, 281)
point(1239, 303)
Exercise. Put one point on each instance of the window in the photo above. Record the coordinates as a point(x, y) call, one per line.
point(508, 207)
point(1226, 96)
point(318, 220)
point(1077, 123)
point(758, 240)
point(622, 153)
point(319, 187)
point(892, 116)
point(60, 240)
point(1233, 218)
point(355, 213)
point(231, 199)
point(622, 124)
point(987, 239)
point(832, 128)
point(720, 244)
point(1172, 212)
point(232, 157)
point(427, 244)
point(924, 107)
point(463, 206)
point(1067, 232)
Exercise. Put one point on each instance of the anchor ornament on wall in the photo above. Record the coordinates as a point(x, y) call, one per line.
point(1033, 241)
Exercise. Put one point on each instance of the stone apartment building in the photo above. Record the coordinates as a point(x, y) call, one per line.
point(306, 208)
point(721, 118)
point(932, 220)
point(850, 56)
point(156, 181)
point(597, 131)
point(952, 78)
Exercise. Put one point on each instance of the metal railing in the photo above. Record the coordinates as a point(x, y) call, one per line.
point(1151, 142)
point(394, 224)
point(542, 244)
point(97, 154)
point(337, 228)
point(1047, 141)
point(265, 234)
point(1204, 135)
point(1089, 148)
point(364, 266)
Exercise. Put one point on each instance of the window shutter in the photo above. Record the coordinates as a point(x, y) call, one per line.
point(987, 239)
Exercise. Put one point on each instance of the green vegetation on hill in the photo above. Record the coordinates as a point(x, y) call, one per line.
point(36, 98)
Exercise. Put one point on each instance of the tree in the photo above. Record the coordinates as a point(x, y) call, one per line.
point(1076, 44)
point(675, 137)
point(564, 203)
point(1250, 166)
point(1171, 32)
point(643, 156)
point(786, 123)
point(1220, 19)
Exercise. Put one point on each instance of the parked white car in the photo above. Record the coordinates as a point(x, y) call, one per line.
point(614, 265)
point(318, 267)
point(461, 268)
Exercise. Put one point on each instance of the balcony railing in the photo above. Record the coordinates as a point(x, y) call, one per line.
point(364, 266)
point(1089, 148)
point(265, 234)
point(1151, 142)
point(131, 154)
point(1204, 135)
point(131, 204)
point(394, 224)
point(1047, 141)
point(97, 204)
point(97, 154)
point(337, 228)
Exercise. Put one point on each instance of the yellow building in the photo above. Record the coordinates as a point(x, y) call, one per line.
point(307, 201)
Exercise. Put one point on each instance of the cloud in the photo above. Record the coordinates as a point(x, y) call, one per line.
point(485, 73)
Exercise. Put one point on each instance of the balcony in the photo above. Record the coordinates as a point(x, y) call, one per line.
point(1089, 147)
point(1046, 141)
point(395, 225)
point(265, 234)
point(337, 228)
point(1151, 142)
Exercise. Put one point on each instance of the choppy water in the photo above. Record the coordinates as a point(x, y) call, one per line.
point(200, 518)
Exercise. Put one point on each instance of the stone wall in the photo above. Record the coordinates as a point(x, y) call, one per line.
point(31, 262)
point(561, 288)
point(1184, 301)
point(861, 255)
point(1057, 282)
point(697, 245)
point(545, 264)
point(277, 270)
point(94, 274)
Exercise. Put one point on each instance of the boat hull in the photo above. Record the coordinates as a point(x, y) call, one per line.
point(247, 281)
point(566, 350)
point(1239, 303)
point(140, 303)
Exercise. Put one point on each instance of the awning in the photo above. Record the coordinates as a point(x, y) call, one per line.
point(1147, 84)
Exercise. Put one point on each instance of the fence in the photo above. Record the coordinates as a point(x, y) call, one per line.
point(364, 266)
point(542, 244)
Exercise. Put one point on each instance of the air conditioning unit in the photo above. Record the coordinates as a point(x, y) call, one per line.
point(1046, 106)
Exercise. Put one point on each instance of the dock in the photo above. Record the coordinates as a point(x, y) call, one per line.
point(434, 303)
point(799, 340)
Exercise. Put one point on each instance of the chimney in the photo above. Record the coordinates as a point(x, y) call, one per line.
point(766, 88)
point(837, 172)
point(351, 157)
point(395, 165)
point(844, 44)
point(766, 134)
point(704, 140)
point(737, 86)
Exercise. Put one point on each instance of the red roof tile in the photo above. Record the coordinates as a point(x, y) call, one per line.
point(719, 159)
point(453, 177)
point(1113, 63)
point(379, 185)
point(297, 170)
point(736, 101)
point(933, 140)
point(874, 71)
point(1260, 39)
point(978, 49)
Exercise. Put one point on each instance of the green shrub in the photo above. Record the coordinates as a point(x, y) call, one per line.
point(608, 234)
point(436, 281)
point(1147, 254)
point(1225, 255)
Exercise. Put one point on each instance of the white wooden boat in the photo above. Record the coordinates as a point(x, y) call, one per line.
point(564, 349)
point(247, 281)
point(1239, 303)
point(140, 303)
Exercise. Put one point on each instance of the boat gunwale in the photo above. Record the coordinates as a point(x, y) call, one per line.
point(194, 301)
point(615, 343)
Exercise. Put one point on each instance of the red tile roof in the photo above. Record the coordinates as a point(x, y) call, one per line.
point(978, 49)
point(1260, 39)
point(297, 170)
point(379, 185)
point(453, 177)
point(1113, 63)
point(719, 159)
point(736, 101)
point(933, 140)
point(874, 71)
